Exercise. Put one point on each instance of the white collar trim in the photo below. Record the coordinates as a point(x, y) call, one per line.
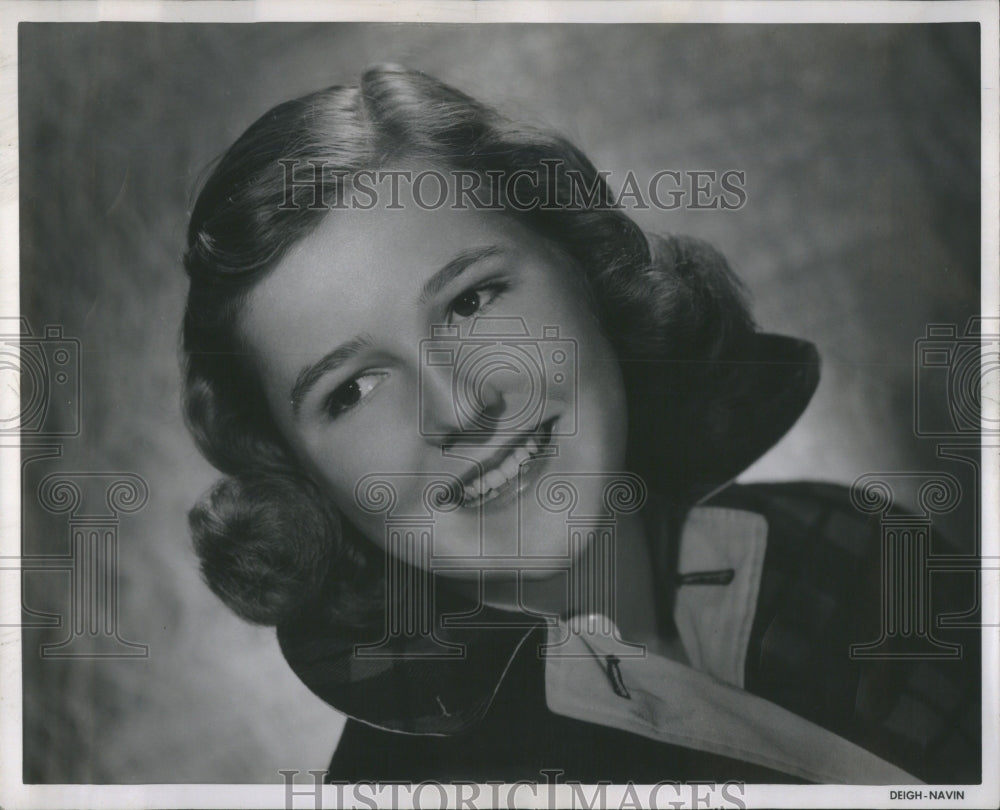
point(714, 620)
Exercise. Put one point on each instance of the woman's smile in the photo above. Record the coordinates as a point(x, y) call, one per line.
point(508, 471)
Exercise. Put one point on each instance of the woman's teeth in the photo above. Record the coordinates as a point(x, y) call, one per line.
point(489, 484)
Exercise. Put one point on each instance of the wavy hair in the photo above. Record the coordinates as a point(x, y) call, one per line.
point(267, 540)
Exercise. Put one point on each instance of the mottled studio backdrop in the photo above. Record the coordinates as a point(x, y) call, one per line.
point(861, 152)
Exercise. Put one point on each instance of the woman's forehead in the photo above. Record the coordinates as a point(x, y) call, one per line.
point(363, 271)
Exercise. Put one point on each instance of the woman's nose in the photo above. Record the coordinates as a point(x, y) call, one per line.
point(456, 400)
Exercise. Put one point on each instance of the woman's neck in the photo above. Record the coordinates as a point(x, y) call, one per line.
point(620, 559)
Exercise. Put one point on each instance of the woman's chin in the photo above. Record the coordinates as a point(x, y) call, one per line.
point(530, 540)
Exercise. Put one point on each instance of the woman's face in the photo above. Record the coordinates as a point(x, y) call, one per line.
point(422, 347)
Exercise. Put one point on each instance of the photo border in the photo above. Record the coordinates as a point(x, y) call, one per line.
point(14, 794)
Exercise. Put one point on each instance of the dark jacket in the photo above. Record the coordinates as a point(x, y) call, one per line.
point(799, 586)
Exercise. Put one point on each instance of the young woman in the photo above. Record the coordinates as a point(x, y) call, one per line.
point(478, 431)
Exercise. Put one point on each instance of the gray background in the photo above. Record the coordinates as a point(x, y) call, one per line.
point(861, 150)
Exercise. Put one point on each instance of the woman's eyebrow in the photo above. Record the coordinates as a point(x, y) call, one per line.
point(311, 374)
point(455, 268)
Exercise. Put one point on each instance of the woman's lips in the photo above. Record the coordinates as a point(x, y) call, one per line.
point(500, 474)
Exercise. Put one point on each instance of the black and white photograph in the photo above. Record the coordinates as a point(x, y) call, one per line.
point(484, 404)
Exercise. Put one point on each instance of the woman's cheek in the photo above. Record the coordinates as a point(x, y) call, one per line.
point(372, 443)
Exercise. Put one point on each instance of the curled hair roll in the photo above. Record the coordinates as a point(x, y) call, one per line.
point(269, 544)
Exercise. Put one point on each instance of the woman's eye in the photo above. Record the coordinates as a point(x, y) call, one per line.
point(346, 396)
point(467, 304)
point(472, 302)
